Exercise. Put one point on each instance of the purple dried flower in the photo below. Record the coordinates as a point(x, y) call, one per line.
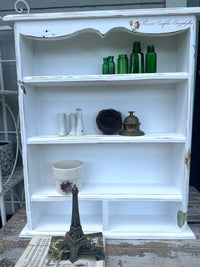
point(66, 187)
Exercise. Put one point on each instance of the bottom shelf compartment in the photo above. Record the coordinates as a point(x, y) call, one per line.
point(55, 217)
point(143, 216)
point(115, 218)
point(145, 219)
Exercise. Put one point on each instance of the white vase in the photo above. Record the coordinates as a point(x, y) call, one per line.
point(79, 123)
point(72, 124)
point(62, 124)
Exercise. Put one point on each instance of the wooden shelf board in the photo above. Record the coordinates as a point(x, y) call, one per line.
point(59, 226)
point(112, 191)
point(148, 138)
point(115, 79)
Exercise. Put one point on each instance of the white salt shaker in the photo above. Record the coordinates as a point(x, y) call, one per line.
point(62, 124)
point(79, 123)
point(72, 124)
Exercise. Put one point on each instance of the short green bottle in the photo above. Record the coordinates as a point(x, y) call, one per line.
point(122, 64)
point(136, 59)
point(111, 65)
point(105, 66)
point(151, 60)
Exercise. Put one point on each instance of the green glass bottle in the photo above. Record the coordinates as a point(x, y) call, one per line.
point(111, 65)
point(136, 59)
point(122, 64)
point(105, 66)
point(151, 60)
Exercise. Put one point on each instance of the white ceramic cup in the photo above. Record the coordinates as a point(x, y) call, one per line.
point(67, 173)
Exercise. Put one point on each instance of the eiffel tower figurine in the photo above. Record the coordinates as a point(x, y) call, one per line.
point(75, 238)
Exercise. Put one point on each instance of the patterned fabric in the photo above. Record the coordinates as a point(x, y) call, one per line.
point(6, 157)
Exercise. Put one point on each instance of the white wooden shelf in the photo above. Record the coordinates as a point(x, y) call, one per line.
point(138, 223)
point(61, 223)
point(159, 227)
point(115, 79)
point(112, 191)
point(148, 138)
point(132, 186)
point(60, 228)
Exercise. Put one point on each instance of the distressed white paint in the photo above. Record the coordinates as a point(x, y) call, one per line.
point(105, 80)
point(148, 138)
point(132, 186)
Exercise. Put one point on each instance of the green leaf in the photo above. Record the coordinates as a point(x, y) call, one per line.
point(181, 218)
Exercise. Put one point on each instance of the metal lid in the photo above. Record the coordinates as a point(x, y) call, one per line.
point(131, 119)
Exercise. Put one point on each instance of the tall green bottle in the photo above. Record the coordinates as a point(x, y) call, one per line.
point(151, 60)
point(137, 59)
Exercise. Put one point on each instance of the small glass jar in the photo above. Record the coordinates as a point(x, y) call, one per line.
point(105, 66)
point(122, 64)
point(111, 65)
point(151, 60)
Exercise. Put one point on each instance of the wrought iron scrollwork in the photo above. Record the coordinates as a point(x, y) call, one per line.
point(19, 9)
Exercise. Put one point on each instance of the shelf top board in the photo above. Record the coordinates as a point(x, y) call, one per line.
point(111, 192)
point(148, 138)
point(89, 80)
point(11, 19)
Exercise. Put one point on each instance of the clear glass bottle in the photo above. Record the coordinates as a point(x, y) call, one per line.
point(111, 65)
point(122, 64)
point(105, 66)
point(151, 60)
point(136, 59)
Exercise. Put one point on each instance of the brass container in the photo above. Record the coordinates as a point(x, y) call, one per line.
point(131, 126)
